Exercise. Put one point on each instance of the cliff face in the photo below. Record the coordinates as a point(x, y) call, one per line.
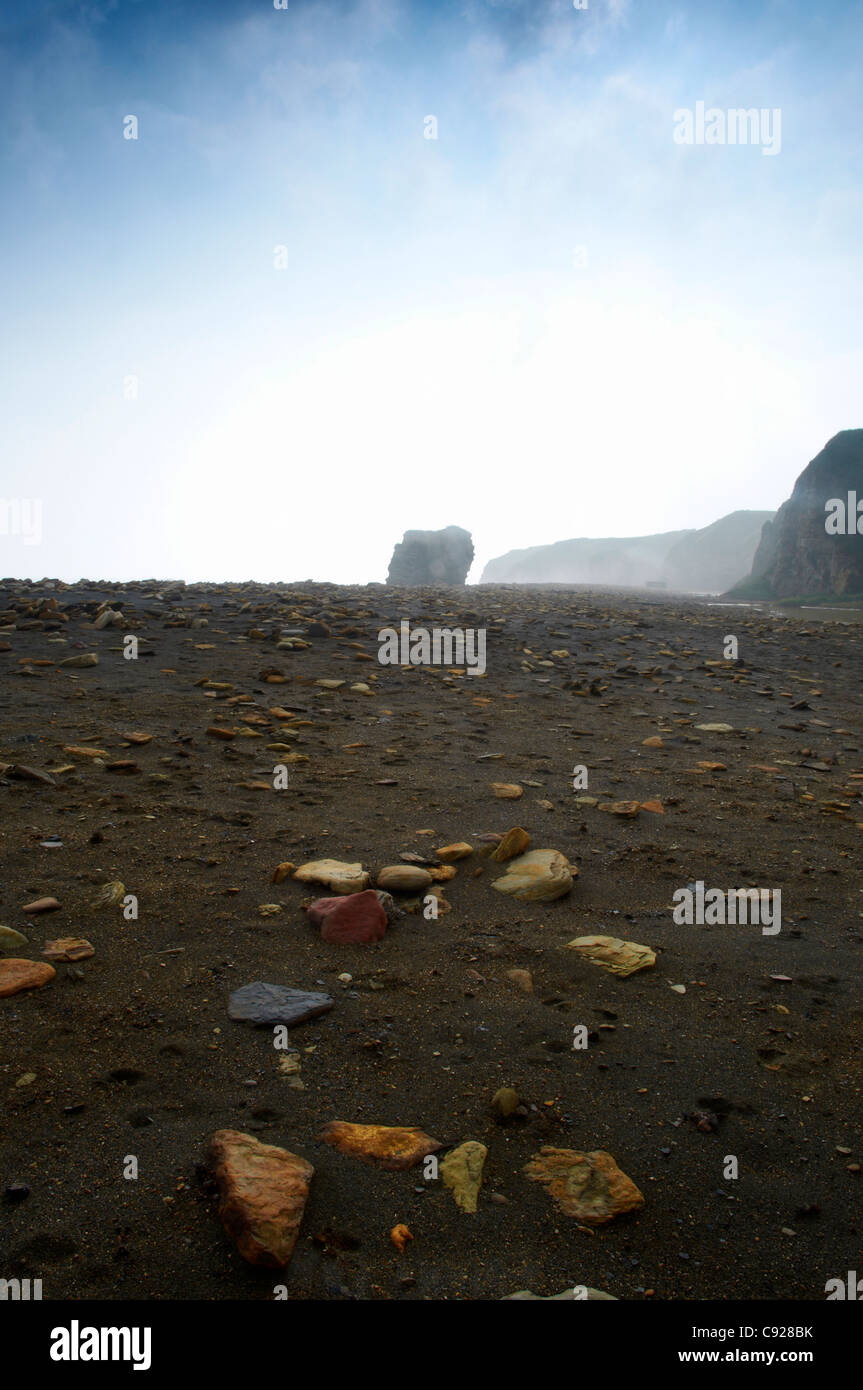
point(432, 557)
point(713, 558)
point(631, 560)
point(703, 561)
point(797, 556)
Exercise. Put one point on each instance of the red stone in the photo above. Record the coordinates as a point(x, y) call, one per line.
point(357, 919)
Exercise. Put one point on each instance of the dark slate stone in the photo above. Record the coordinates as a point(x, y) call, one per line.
point(263, 1004)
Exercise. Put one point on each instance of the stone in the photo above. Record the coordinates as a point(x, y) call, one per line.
point(654, 742)
point(403, 878)
point(16, 975)
point(11, 940)
point(342, 878)
point(620, 957)
point(282, 871)
point(515, 841)
point(451, 853)
point(393, 1147)
point(505, 1102)
point(568, 1295)
point(620, 808)
point(85, 659)
point(31, 774)
point(716, 728)
point(400, 1235)
point(588, 1186)
point(110, 894)
point(541, 875)
point(262, 1195)
point(522, 978)
point(461, 1172)
point(263, 1004)
point(432, 557)
point(108, 615)
point(507, 791)
point(68, 948)
point(41, 905)
point(356, 920)
point(388, 903)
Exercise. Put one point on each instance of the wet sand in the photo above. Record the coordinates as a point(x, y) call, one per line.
point(132, 1053)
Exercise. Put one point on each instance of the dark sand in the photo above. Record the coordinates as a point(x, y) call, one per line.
point(133, 1052)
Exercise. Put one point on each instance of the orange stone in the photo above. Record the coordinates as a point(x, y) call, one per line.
point(16, 975)
point(514, 842)
point(68, 948)
point(390, 1146)
point(263, 1192)
point(588, 1186)
point(507, 791)
point(400, 1235)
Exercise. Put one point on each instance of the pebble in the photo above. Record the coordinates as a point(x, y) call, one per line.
point(10, 939)
point(356, 920)
point(389, 1146)
point(403, 878)
point(507, 791)
point(17, 975)
point(461, 1172)
point(263, 1192)
point(264, 1004)
point(587, 1186)
point(541, 875)
point(515, 841)
point(342, 878)
point(67, 948)
point(620, 957)
point(41, 905)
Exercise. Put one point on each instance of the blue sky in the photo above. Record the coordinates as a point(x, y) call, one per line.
point(551, 320)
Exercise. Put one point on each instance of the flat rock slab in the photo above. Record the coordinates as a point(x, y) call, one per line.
point(342, 878)
point(263, 1004)
point(356, 920)
point(68, 948)
point(541, 875)
point(16, 975)
point(461, 1172)
point(389, 1146)
point(620, 957)
point(588, 1186)
point(263, 1192)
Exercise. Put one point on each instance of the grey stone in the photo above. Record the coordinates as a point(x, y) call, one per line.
point(263, 1004)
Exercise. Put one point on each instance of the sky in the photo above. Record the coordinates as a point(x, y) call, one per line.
point(278, 284)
